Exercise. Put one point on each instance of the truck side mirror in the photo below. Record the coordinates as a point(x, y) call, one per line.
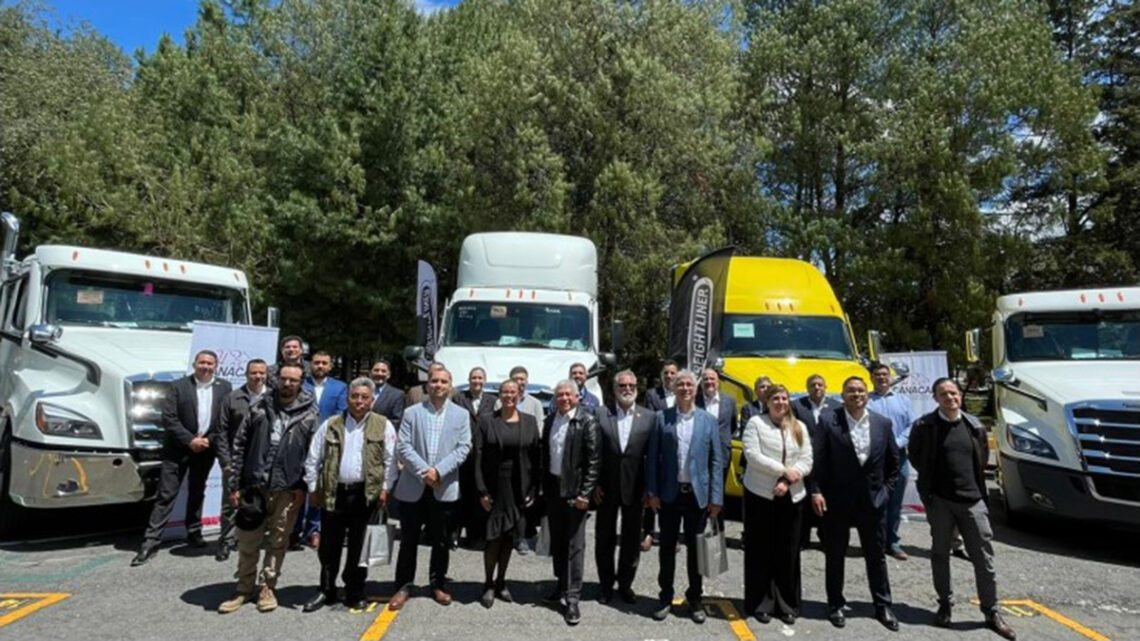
point(273, 317)
point(617, 336)
point(607, 359)
point(874, 344)
point(973, 341)
point(413, 353)
point(41, 334)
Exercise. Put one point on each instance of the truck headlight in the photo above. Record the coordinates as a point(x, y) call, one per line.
point(1028, 442)
point(57, 421)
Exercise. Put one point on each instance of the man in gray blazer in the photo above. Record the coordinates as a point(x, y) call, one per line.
point(434, 440)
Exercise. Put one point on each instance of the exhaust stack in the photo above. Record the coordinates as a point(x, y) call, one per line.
point(8, 260)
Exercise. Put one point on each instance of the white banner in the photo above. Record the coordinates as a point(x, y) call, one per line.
point(925, 368)
point(235, 346)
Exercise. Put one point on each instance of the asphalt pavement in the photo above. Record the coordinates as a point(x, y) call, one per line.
point(1060, 581)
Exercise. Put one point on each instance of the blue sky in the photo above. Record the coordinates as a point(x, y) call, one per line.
point(140, 23)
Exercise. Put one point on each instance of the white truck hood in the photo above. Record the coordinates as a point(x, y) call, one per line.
point(544, 366)
point(1072, 381)
point(125, 352)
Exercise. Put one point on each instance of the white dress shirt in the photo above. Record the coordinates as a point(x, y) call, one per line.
point(860, 435)
point(816, 409)
point(558, 432)
point(205, 393)
point(319, 389)
point(712, 405)
point(684, 439)
point(670, 399)
point(351, 458)
point(624, 426)
point(475, 403)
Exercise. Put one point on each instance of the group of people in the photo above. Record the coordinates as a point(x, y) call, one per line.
point(509, 473)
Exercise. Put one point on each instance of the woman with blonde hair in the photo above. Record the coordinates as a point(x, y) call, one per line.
point(778, 450)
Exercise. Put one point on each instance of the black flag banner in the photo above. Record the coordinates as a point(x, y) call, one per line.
point(696, 309)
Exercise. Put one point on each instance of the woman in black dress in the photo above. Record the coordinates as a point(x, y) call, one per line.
point(506, 458)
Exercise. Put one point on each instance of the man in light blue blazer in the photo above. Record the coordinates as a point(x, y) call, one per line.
point(684, 479)
point(434, 440)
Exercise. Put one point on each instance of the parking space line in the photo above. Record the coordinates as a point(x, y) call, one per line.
point(379, 626)
point(42, 600)
point(739, 625)
point(1060, 618)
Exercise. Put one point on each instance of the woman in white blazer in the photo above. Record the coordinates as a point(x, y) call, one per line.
point(778, 450)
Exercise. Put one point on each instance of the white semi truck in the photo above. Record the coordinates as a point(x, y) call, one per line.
point(525, 299)
point(1067, 402)
point(89, 341)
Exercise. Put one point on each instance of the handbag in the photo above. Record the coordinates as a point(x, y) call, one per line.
point(379, 538)
point(712, 551)
point(542, 546)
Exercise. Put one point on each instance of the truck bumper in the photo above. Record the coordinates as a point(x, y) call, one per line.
point(1044, 490)
point(52, 478)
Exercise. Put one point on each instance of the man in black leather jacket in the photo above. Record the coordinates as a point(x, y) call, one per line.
point(571, 466)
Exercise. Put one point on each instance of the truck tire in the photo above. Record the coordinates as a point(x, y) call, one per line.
point(1014, 517)
point(10, 513)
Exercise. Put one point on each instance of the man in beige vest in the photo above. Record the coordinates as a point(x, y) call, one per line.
point(345, 472)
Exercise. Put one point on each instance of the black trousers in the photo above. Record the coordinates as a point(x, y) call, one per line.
point(437, 516)
point(196, 466)
point(836, 529)
point(629, 548)
point(347, 521)
point(567, 540)
point(227, 535)
point(772, 555)
point(683, 512)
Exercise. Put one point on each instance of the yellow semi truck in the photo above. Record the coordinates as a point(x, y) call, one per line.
point(780, 319)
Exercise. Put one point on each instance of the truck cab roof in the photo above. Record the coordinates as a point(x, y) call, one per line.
point(528, 260)
point(1069, 300)
point(70, 257)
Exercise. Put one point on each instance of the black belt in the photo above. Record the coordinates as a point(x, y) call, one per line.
point(686, 488)
point(350, 487)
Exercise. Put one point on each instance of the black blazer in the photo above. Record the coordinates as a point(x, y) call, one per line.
point(623, 473)
point(180, 414)
point(801, 407)
point(581, 458)
point(836, 472)
point(390, 404)
point(486, 406)
point(655, 399)
point(726, 422)
point(489, 453)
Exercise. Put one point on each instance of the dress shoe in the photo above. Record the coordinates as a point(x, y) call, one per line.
point(786, 618)
point(196, 541)
point(837, 618)
point(488, 598)
point(234, 604)
point(398, 600)
point(887, 618)
point(898, 553)
point(503, 594)
point(315, 540)
point(960, 552)
point(662, 611)
point(356, 603)
point(223, 553)
point(554, 596)
point(995, 622)
point(146, 553)
point(697, 614)
point(763, 617)
point(607, 596)
point(317, 602)
point(627, 594)
point(294, 543)
point(942, 617)
point(572, 616)
point(267, 600)
point(441, 596)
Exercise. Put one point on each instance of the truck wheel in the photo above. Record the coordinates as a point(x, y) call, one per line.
point(1014, 518)
point(10, 513)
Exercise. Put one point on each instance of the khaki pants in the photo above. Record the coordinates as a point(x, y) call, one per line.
point(280, 514)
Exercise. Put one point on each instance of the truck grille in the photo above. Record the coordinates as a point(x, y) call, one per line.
point(1109, 436)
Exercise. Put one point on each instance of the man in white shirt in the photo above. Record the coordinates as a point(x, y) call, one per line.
point(346, 475)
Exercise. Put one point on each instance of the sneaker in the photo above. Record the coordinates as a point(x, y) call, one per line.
point(267, 600)
point(234, 604)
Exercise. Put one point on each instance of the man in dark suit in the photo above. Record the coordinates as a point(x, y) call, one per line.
point(661, 397)
point(808, 410)
point(389, 398)
point(190, 419)
point(723, 409)
point(856, 465)
point(292, 353)
point(478, 402)
point(586, 399)
point(331, 397)
point(756, 407)
point(625, 429)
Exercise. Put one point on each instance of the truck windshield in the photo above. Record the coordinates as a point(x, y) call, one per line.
point(772, 336)
point(518, 325)
point(1070, 336)
point(116, 300)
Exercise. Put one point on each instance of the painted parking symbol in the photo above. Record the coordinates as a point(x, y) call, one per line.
point(1027, 608)
point(17, 605)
